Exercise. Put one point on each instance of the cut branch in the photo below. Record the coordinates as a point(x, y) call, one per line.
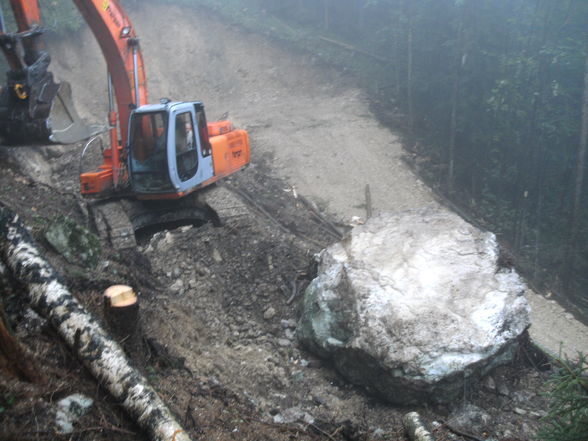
point(83, 334)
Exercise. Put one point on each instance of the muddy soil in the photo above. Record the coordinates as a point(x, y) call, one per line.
point(220, 304)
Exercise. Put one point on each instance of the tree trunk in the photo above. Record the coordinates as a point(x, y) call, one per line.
point(326, 15)
point(461, 58)
point(102, 355)
point(579, 182)
point(409, 67)
point(121, 310)
point(360, 8)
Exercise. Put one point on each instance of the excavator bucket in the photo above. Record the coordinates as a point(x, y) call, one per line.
point(33, 107)
point(65, 125)
point(45, 115)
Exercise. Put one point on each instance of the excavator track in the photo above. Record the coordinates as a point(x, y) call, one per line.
point(119, 221)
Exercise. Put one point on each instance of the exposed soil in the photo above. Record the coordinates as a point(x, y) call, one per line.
point(220, 304)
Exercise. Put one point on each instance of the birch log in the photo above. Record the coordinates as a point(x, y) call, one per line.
point(415, 428)
point(82, 332)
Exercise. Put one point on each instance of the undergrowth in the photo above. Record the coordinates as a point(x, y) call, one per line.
point(567, 419)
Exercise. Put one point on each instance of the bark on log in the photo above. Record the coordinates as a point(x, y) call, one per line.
point(102, 355)
point(415, 427)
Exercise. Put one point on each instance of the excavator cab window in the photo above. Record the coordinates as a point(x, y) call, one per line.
point(186, 149)
point(148, 153)
point(203, 130)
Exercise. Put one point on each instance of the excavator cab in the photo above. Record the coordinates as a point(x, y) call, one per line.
point(169, 151)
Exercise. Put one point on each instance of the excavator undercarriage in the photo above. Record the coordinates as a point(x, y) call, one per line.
point(121, 222)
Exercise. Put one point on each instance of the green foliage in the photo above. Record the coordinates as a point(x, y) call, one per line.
point(6, 402)
point(568, 409)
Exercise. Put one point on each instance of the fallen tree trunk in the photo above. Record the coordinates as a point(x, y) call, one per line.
point(102, 355)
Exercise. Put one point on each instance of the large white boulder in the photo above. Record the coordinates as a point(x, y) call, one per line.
point(410, 304)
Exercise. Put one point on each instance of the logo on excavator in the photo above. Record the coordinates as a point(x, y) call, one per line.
point(106, 8)
point(21, 91)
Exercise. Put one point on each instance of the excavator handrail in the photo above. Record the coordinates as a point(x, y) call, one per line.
point(87, 146)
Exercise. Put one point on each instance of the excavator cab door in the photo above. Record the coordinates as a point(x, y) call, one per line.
point(188, 147)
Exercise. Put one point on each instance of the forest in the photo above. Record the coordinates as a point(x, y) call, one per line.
point(491, 97)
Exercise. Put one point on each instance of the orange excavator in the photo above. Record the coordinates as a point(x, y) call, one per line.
point(157, 152)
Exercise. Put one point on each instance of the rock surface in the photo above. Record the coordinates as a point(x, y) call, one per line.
point(410, 304)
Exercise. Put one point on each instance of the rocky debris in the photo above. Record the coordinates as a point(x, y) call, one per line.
point(471, 418)
point(292, 415)
point(30, 161)
point(74, 242)
point(411, 304)
point(69, 410)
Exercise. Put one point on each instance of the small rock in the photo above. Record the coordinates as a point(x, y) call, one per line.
point(177, 286)
point(472, 418)
point(523, 396)
point(318, 400)
point(284, 342)
point(288, 324)
point(489, 383)
point(519, 411)
point(216, 256)
point(290, 335)
point(292, 415)
point(297, 377)
point(378, 433)
point(69, 410)
point(269, 313)
point(538, 414)
point(166, 242)
point(503, 390)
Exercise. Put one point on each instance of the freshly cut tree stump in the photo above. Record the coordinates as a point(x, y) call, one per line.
point(121, 310)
